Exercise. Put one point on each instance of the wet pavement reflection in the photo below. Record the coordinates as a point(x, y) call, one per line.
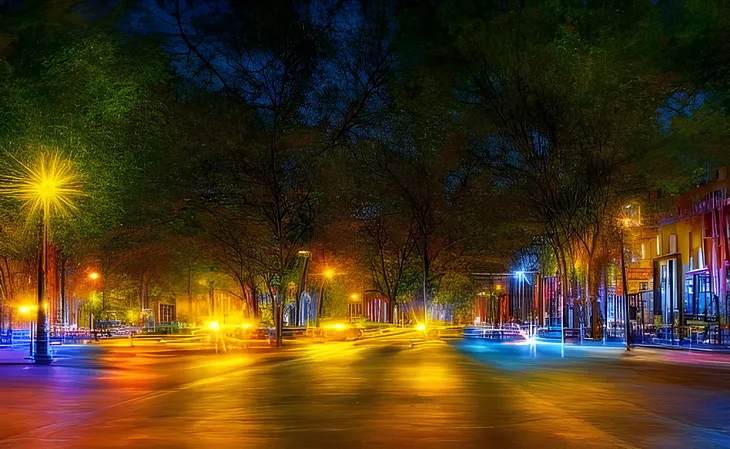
point(385, 393)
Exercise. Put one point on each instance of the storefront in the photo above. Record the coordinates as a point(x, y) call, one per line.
point(700, 305)
point(667, 299)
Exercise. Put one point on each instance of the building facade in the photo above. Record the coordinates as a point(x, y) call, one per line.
point(690, 269)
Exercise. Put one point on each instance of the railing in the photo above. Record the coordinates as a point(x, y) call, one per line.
point(710, 335)
point(557, 333)
point(509, 332)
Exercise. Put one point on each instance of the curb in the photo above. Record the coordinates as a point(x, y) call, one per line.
point(683, 348)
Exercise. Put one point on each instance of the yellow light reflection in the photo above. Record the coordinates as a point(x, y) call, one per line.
point(427, 378)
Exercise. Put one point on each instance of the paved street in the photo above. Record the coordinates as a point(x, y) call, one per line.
point(373, 393)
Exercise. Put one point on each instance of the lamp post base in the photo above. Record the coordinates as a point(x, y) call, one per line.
point(42, 359)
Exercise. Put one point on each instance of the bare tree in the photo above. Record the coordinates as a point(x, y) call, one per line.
point(389, 247)
point(297, 83)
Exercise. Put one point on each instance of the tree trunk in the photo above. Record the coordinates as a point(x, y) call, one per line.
point(604, 281)
point(3, 294)
point(320, 303)
point(64, 302)
point(275, 315)
point(426, 267)
point(253, 298)
point(143, 291)
point(563, 295)
point(190, 294)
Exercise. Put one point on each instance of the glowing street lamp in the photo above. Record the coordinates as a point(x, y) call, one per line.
point(328, 274)
point(624, 223)
point(27, 312)
point(50, 187)
point(93, 275)
point(27, 309)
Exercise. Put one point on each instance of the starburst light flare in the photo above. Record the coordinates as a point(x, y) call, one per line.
point(50, 186)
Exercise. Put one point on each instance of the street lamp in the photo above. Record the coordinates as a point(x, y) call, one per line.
point(327, 275)
point(28, 310)
point(94, 276)
point(627, 323)
point(50, 187)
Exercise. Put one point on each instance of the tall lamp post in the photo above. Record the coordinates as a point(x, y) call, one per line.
point(49, 188)
point(94, 277)
point(625, 222)
point(327, 275)
point(627, 309)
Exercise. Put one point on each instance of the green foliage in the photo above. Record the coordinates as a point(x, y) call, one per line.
point(456, 291)
point(92, 98)
point(336, 300)
point(504, 120)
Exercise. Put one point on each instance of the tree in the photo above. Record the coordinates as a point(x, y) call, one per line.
point(80, 87)
point(420, 165)
point(455, 293)
point(275, 66)
point(389, 245)
point(548, 88)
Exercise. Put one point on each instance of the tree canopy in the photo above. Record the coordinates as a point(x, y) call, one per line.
point(428, 139)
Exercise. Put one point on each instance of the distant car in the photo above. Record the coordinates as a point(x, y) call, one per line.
point(253, 333)
point(341, 332)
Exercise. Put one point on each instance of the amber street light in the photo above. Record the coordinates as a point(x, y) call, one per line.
point(28, 310)
point(49, 187)
point(327, 275)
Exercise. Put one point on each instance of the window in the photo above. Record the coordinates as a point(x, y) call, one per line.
point(698, 302)
point(689, 295)
point(704, 297)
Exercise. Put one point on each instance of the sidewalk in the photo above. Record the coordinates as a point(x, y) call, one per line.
point(14, 356)
point(679, 357)
point(694, 348)
point(617, 344)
